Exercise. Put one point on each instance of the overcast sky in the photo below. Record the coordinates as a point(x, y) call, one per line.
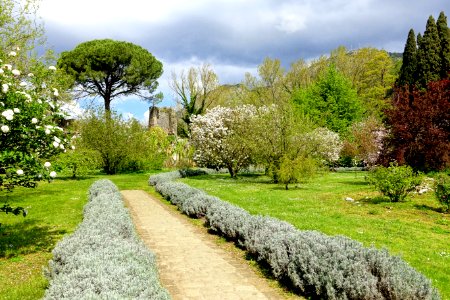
point(234, 36)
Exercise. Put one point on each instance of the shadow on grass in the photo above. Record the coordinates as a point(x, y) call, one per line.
point(361, 183)
point(78, 178)
point(426, 207)
point(375, 200)
point(241, 178)
point(27, 237)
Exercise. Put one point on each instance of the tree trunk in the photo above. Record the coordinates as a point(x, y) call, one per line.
point(232, 172)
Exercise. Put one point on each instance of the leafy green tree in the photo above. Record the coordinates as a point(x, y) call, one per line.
point(444, 37)
point(147, 149)
point(428, 55)
point(111, 69)
point(295, 170)
point(195, 90)
point(409, 64)
point(330, 102)
point(20, 26)
point(107, 136)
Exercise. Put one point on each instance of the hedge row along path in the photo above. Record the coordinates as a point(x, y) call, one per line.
point(190, 264)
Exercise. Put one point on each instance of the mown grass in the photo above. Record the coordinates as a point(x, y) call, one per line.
point(415, 229)
point(54, 209)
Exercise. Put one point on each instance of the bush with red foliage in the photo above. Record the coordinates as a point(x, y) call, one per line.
point(419, 127)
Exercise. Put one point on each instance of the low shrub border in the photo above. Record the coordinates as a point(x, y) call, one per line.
point(104, 258)
point(319, 266)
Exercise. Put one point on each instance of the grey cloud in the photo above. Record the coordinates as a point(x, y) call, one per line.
point(244, 34)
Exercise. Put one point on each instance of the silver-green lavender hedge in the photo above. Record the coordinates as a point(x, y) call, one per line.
point(318, 265)
point(103, 258)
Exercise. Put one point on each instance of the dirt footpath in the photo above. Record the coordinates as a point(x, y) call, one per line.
point(190, 264)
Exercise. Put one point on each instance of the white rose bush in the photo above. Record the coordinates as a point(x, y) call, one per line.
point(28, 128)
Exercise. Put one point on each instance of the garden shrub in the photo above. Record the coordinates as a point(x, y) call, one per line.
point(442, 191)
point(103, 258)
point(395, 181)
point(192, 172)
point(163, 177)
point(318, 265)
point(79, 162)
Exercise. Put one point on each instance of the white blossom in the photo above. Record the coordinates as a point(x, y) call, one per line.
point(57, 139)
point(1, 71)
point(8, 114)
point(55, 92)
point(16, 110)
point(53, 68)
point(73, 147)
point(12, 53)
point(23, 83)
point(7, 66)
point(52, 174)
point(5, 88)
point(34, 121)
point(5, 128)
point(55, 144)
point(30, 75)
point(61, 146)
point(19, 172)
point(15, 72)
point(47, 164)
point(47, 131)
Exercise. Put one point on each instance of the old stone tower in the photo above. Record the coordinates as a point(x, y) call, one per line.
point(163, 117)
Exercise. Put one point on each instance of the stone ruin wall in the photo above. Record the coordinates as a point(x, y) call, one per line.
point(165, 118)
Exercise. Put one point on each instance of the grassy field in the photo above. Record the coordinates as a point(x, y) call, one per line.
point(414, 229)
point(54, 209)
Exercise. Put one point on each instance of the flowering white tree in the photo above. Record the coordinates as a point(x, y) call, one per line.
point(323, 144)
point(220, 138)
point(28, 122)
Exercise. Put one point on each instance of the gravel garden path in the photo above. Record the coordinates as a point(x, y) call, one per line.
point(190, 264)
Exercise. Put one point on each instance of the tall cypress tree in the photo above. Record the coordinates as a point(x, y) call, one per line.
point(409, 64)
point(428, 56)
point(444, 37)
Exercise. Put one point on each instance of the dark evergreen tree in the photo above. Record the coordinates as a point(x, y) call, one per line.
point(409, 64)
point(428, 55)
point(444, 37)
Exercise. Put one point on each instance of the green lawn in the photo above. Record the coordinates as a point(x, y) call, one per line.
point(54, 209)
point(414, 229)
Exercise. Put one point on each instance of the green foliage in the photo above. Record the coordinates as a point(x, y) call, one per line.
point(444, 37)
point(442, 191)
point(428, 55)
point(78, 163)
point(123, 145)
point(147, 149)
point(330, 102)
point(299, 169)
point(196, 90)
point(110, 69)
point(395, 182)
point(409, 64)
point(20, 27)
point(108, 136)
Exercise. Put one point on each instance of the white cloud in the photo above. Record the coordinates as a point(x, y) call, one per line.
point(73, 109)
